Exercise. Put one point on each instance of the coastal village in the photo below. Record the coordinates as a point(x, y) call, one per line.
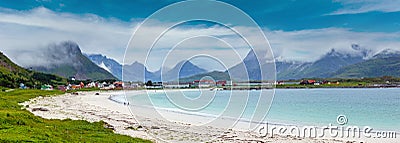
point(118, 85)
point(211, 84)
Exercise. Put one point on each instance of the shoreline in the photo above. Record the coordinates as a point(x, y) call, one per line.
point(366, 87)
point(91, 107)
point(289, 87)
point(246, 120)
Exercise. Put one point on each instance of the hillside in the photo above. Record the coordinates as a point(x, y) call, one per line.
point(387, 66)
point(11, 75)
point(67, 60)
point(291, 69)
point(324, 67)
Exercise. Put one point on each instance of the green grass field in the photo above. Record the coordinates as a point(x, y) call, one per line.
point(19, 125)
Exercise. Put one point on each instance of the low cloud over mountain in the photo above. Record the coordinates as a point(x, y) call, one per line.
point(66, 59)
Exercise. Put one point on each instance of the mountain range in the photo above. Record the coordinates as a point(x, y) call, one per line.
point(138, 72)
point(67, 60)
point(334, 64)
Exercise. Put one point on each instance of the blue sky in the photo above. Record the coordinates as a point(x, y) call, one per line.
point(296, 29)
point(285, 15)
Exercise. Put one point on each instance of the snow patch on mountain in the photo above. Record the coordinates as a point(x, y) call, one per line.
point(102, 65)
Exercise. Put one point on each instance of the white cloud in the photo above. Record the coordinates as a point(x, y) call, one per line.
point(39, 27)
point(34, 30)
point(309, 45)
point(363, 6)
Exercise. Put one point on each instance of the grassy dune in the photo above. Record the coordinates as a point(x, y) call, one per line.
point(19, 125)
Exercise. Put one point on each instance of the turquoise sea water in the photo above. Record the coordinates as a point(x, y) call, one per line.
point(377, 108)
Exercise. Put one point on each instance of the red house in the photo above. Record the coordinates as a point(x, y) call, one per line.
point(221, 83)
point(310, 81)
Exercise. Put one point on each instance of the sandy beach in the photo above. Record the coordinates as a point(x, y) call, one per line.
point(96, 106)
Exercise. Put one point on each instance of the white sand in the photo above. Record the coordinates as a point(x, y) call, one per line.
point(179, 128)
